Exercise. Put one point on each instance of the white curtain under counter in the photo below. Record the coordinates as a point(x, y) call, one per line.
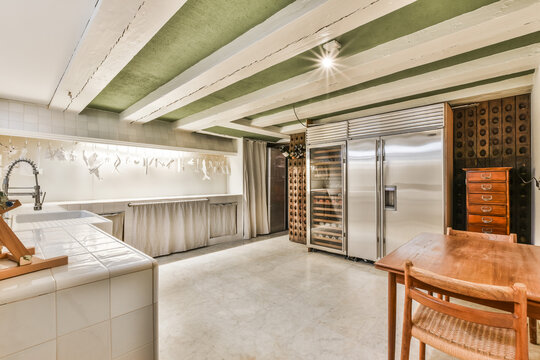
point(162, 226)
point(223, 219)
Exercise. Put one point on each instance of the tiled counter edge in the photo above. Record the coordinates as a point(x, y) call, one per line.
point(102, 305)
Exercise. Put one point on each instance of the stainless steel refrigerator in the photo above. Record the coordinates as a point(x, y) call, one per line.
point(395, 191)
point(376, 182)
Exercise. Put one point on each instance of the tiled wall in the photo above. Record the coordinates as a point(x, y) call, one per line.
point(23, 119)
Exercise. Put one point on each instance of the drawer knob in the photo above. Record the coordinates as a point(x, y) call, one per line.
point(485, 175)
point(486, 187)
point(487, 230)
point(486, 209)
point(487, 197)
point(487, 220)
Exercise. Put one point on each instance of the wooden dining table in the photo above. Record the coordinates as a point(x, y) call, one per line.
point(475, 260)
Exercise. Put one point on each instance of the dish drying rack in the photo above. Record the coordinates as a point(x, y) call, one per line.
point(17, 252)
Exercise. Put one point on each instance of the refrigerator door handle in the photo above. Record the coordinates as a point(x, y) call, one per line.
point(382, 199)
point(377, 196)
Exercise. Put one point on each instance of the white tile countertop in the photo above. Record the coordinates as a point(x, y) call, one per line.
point(61, 204)
point(103, 304)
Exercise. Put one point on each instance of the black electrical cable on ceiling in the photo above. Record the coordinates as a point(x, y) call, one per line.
point(297, 119)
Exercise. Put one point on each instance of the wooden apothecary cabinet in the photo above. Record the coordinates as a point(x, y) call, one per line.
point(488, 200)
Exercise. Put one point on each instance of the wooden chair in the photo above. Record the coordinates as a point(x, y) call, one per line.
point(461, 331)
point(512, 238)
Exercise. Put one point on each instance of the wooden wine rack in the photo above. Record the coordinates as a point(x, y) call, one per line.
point(495, 133)
point(297, 193)
point(327, 199)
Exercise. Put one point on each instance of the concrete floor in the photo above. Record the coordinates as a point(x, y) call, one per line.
point(270, 299)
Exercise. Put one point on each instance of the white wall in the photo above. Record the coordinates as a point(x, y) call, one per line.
point(535, 139)
point(66, 180)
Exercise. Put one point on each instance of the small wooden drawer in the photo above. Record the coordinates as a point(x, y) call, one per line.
point(487, 229)
point(486, 220)
point(491, 210)
point(486, 176)
point(487, 200)
point(492, 198)
point(486, 187)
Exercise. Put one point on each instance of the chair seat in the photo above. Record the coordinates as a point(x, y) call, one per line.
point(463, 339)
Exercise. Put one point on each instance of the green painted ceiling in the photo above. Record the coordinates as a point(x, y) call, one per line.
point(198, 29)
point(201, 27)
point(407, 20)
point(426, 94)
point(231, 132)
point(515, 43)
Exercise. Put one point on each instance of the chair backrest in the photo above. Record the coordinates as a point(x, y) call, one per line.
point(515, 297)
point(512, 238)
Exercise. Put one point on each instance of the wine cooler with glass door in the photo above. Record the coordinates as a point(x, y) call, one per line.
point(326, 187)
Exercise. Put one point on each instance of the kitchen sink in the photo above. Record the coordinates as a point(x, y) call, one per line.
point(51, 216)
point(37, 220)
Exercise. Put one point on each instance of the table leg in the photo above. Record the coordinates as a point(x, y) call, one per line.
point(533, 331)
point(391, 316)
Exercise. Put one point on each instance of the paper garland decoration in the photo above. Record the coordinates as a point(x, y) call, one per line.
point(94, 161)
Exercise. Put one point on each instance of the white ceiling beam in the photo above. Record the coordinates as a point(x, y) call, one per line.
point(508, 62)
point(293, 129)
point(243, 125)
point(293, 30)
point(485, 26)
point(500, 89)
point(510, 87)
point(218, 135)
point(37, 40)
point(114, 35)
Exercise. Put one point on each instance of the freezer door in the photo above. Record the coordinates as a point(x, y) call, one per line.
point(362, 199)
point(413, 186)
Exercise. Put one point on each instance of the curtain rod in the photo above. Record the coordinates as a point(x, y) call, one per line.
point(163, 202)
point(112, 213)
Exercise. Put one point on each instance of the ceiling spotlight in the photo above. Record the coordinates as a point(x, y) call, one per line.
point(327, 62)
point(331, 50)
